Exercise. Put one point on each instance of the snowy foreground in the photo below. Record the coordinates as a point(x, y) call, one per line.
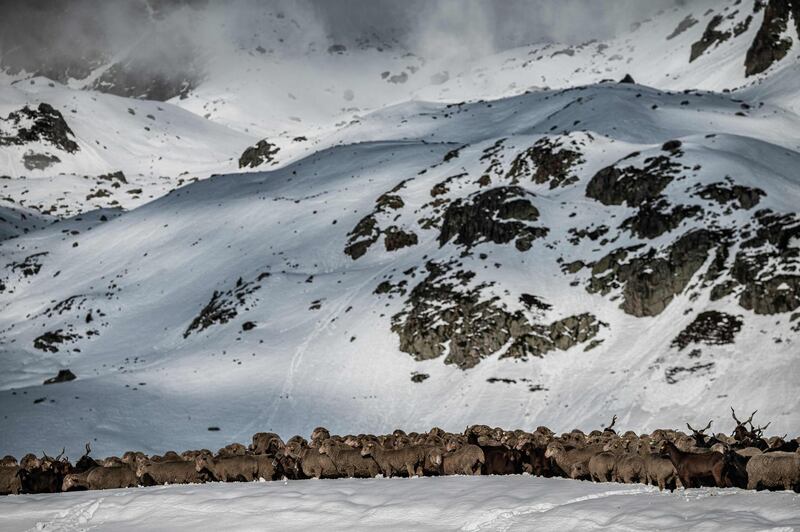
point(462, 503)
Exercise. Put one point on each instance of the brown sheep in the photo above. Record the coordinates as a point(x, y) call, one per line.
point(267, 466)
point(775, 470)
point(233, 449)
point(601, 466)
point(228, 468)
point(348, 461)
point(170, 472)
point(310, 462)
point(468, 460)
point(10, 481)
point(660, 471)
point(101, 478)
point(533, 459)
point(565, 457)
point(396, 461)
point(500, 460)
point(318, 435)
point(630, 469)
point(266, 443)
point(43, 475)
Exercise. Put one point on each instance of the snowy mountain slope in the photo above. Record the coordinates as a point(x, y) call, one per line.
point(155, 146)
point(464, 503)
point(311, 294)
point(296, 87)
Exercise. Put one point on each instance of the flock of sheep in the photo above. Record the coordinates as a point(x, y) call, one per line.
point(666, 458)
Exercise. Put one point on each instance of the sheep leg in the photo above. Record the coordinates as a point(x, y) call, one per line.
point(410, 469)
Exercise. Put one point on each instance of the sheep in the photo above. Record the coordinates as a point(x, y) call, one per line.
point(348, 461)
point(499, 460)
point(169, 472)
point(267, 466)
point(660, 471)
point(233, 449)
point(468, 460)
point(601, 466)
point(749, 451)
point(266, 443)
point(101, 478)
point(396, 461)
point(630, 469)
point(228, 468)
point(696, 469)
point(310, 462)
point(775, 470)
point(43, 475)
point(10, 481)
point(579, 471)
point(318, 435)
point(566, 458)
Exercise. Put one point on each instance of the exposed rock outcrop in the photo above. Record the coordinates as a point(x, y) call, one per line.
point(498, 215)
point(655, 218)
point(771, 43)
point(710, 328)
point(224, 306)
point(43, 124)
point(263, 152)
point(768, 265)
point(447, 314)
point(650, 280)
point(546, 161)
point(614, 185)
point(739, 196)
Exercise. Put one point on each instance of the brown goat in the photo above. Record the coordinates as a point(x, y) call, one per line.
point(696, 470)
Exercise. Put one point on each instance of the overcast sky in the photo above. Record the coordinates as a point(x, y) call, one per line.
point(72, 29)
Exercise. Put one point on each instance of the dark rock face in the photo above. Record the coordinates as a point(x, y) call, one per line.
point(651, 280)
point(64, 375)
point(419, 377)
point(39, 161)
point(446, 314)
point(498, 215)
point(49, 340)
point(614, 186)
point(768, 265)
point(43, 124)
point(262, 152)
point(224, 306)
point(138, 80)
point(396, 239)
point(363, 235)
point(711, 36)
point(768, 46)
point(711, 328)
point(683, 25)
point(744, 197)
point(546, 161)
point(367, 231)
point(676, 374)
point(653, 219)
